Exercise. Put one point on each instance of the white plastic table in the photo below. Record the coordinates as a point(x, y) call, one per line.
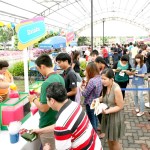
point(22, 144)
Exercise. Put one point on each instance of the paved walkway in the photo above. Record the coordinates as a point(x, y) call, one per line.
point(137, 135)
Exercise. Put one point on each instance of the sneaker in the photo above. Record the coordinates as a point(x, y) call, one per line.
point(137, 110)
point(140, 114)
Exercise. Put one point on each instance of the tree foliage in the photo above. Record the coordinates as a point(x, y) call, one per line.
point(83, 41)
point(6, 35)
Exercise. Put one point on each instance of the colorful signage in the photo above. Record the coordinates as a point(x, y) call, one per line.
point(30, 31)
point(69, 37)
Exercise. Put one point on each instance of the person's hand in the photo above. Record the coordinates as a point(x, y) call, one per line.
point(47, 146)
point(1, 99)
point(127, 71)
point(32, 97)
point(105, 111)
point(100, 99)
point(38, 131)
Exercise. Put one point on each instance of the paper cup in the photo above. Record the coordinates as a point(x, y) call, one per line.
point(14, 138)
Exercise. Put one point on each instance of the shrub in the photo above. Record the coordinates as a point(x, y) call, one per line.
point(82, 68)
point(17, 69)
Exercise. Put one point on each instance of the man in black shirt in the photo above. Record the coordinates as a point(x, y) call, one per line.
point(115, 56)
point(64, 62)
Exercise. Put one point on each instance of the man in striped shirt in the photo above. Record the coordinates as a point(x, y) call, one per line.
point(73, 130)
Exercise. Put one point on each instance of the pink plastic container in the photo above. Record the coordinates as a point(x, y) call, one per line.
point(12, 114)
point(33, 110)
point(13, 94)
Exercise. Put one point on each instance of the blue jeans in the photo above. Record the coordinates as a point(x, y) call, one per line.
point(92, 117)
point(138, 95)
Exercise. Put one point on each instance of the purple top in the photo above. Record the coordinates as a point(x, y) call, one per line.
point(92, 90)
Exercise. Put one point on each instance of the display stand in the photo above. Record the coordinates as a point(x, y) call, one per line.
point(31, 123)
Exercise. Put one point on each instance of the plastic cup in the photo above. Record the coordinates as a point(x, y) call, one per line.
point(14, 138)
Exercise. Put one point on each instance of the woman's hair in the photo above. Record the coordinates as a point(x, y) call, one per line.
point(143, 46)
point(75, 55)
point(99, 59)
point(91, 70)
point(125, 58)
point(139, 56)
point(3, 63)
point(108, 72)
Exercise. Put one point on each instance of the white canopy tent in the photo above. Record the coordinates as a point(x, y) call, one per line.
point(61, 14)
point(76, 14)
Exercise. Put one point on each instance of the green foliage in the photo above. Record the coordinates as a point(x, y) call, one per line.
point(50, 34)
point(106, 39)
point(17, 69)
point(6, 35)
point(82, 68)
point(83, 41)
point(16, 42)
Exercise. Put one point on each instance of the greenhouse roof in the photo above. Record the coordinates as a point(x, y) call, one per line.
point(76, 14)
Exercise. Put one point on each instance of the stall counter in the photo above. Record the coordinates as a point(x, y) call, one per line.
point(31, 123)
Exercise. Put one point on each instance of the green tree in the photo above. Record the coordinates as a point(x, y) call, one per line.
point(83, 41)
point(50, 34)
point(16, 42)
point(6, 34)
point(106, 40)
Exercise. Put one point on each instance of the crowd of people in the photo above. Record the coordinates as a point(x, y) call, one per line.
point(63, 123)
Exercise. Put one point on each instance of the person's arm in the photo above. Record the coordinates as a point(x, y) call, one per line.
point(63, 138)
point(118, 101)
point(4, 85)
point(44, 130)
point(73, 84)
point(90, 86)
point(42, 104)
point(144, 71)
point(128, 72)
point(39, 105)
point(72, 92)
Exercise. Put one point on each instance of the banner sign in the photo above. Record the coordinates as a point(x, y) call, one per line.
point(69, 38)
point(147, 40)
point(30, 31)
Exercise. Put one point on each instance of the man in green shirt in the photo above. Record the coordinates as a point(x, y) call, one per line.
point(47, 115)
